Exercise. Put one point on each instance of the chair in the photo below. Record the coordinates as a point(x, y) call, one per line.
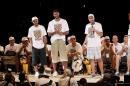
point(9, 60)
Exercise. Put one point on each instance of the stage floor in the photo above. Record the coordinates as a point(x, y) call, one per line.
point(95, 79)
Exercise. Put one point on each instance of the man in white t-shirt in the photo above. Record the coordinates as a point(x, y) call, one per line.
point(128, 59)
point(37, 35)
point(58, 29)
point(93, 33)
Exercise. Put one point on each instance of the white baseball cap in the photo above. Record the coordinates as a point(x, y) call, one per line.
point(90, 15)
point(73, 36)
point(24, 38)
point(11, 38)
point(107, 37)
point(34, 18)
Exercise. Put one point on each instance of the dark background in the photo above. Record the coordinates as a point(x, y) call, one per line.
point(16, 16)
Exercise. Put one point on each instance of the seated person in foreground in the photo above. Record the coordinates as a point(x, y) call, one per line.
point(24, 80)
point(44, 80)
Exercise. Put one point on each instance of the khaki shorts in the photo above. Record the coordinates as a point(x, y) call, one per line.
point(128, 52)
point(58, 51)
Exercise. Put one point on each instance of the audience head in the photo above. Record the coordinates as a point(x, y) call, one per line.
point(82, 82)
point(67, 72)
point(9, 77)
point(22, 76)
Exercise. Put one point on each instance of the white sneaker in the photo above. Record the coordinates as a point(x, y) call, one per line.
point(117, 73)
point(102, 75)
point(55, 73)
point(36, 74)
point(127, 73)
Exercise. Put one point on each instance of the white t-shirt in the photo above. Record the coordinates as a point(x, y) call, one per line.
point(61, 25)
point(117, 47)
point(78, 48)
point(11, 48)
point(93, 39)
point(37, 33)
point(129, 36)
point(129, 41)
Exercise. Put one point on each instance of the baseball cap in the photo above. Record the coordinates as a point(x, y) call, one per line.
point(90, 15)
point(73, 36)
point(24, 38)
point(34, 18)
point(107, 37)
point(11, 38)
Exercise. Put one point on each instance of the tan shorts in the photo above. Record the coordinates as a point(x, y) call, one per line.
point(128, 52)
point(58, 51)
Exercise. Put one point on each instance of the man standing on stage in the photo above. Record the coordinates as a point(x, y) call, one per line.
point(93, 33)
point(58, 29)
point(37, 35)
point(128, 59)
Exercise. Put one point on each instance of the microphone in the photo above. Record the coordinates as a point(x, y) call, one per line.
point(92, 26)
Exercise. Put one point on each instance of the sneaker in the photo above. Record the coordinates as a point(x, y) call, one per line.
point(55, 73)
point(102, 75)
point(117, 73)
point(36, 74)
point(127, 73)
point(92, 75)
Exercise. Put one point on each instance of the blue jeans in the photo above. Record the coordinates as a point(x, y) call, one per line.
point(39, 54)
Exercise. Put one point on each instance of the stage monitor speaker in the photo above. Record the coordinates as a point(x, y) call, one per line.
point(126, 78)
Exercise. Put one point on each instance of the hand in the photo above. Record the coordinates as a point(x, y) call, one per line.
point(24, 46)
point(60, 33)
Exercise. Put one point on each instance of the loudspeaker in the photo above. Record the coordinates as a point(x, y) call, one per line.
point(126, 78)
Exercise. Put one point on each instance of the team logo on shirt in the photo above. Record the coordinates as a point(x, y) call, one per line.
point(90, 32)
point(57, 27)
point(37, 34)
